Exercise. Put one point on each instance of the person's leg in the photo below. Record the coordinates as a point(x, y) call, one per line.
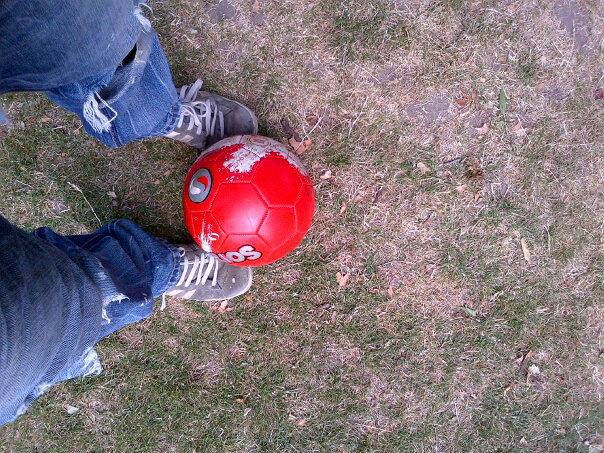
point(103, 61)
point(59, 295)
point(136, 100)
point(129, 266)
point(50, 43)
point(139, 100)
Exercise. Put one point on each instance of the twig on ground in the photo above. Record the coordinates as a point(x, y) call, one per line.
point(455, 159)
point(358, 116)
point(77, 189)
point(307, 134)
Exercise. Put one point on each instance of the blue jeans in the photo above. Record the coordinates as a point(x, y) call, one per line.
point(99, 59)
point(59, 295)
point(133, 101)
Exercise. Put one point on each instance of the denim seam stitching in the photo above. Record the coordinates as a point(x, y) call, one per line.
point(172, 118)
point(175, 275)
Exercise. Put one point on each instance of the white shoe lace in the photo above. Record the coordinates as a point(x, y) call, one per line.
point(202, 115)
point(200, 270)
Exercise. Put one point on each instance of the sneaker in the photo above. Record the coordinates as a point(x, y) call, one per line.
point(205, 277)
point(206, 118)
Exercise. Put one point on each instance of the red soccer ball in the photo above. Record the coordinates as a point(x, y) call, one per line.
point(249, 200)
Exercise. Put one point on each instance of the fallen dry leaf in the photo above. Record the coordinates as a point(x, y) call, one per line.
point(483, 129)
point(533, 376)
point(326, 175)
point(342, 279)
point(343, 208)
point(71, 410)
point(423, 168)
point(360, 196)
point(477, 196)
point(312, 119)
point(224, 307)
point(540, 86)
point(463, 102)
point(523, 357)
point(508, 389)
point(378, 194)
point(461, 189)
point(112, 194)
point(300, 147)
point(297, 421)
point(518, 129)
point(289, 130)
point(391, 291)
point(470, 311)
point(474, 171)
point(522, 361)
point(596, 444)
point(525, 250)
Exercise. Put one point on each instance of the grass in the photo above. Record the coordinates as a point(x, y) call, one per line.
point(422, 349)
point(365, 30)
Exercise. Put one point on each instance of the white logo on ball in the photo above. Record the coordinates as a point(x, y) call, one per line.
point(245, 252)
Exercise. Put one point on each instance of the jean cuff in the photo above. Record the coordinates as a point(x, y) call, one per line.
point(176, 272)
point(171, 120)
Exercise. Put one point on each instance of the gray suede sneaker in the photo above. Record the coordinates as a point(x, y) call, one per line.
point(205, 277)
point(206, 118)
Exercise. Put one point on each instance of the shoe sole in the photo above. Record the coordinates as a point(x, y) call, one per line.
point(243, 291)
point(252, 114)
point(249, 285)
